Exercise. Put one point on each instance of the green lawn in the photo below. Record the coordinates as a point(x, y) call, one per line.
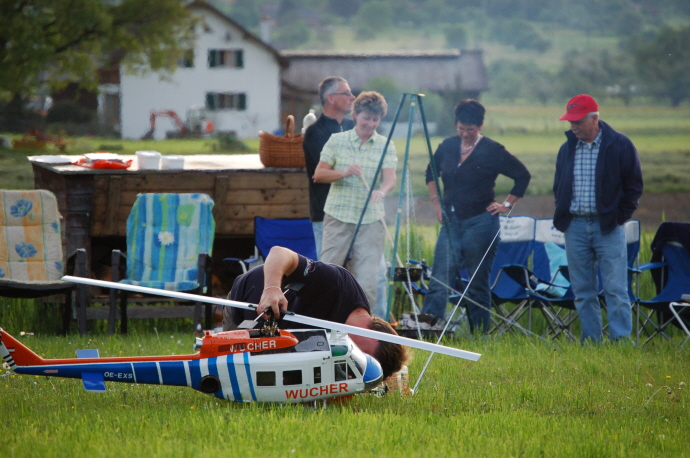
point(522, 398)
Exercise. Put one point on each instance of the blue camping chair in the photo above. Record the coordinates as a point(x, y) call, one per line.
point(547, 283)
point(515, 248)
point(296, 234)
point(670, 268)
point(169, 244)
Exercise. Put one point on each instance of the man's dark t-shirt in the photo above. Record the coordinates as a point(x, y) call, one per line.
point(315, 137)
point(329, 292)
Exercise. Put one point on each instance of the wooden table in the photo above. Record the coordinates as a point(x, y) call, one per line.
point(95, 204)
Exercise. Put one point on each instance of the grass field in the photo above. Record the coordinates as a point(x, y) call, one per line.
point(534, 134)
point(522, 398)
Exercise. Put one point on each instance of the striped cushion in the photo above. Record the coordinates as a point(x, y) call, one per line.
point(165, 234)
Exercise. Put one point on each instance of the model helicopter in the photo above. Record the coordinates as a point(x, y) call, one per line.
point(265, 365)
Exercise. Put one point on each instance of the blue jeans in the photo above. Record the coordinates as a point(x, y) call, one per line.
point(317, 227)
point(590, 252)
point(470, 239)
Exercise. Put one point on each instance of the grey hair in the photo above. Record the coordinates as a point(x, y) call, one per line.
point(592, 114)
point(329, 86)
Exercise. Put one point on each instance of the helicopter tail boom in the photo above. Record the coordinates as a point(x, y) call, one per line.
point(14, 353)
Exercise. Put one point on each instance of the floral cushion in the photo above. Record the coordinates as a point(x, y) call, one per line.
point(165, 235)
point(30, 239)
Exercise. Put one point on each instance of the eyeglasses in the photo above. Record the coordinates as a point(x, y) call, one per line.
point(347, 94)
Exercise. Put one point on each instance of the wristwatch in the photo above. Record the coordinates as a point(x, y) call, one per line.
point(507, 204)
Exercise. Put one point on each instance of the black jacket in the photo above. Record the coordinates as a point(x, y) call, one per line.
point(315, 137)
point(470, 187)
point(618, 180)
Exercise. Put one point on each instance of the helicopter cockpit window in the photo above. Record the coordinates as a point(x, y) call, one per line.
point(343, 371)
point(359, 359)
point(265, 379)
point(292, 377)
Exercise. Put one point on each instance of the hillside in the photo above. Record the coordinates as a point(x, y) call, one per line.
point(537, 51)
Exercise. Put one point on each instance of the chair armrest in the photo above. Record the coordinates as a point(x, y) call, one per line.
point(119, 265)
point(651, 266)
point(76, 263)
point(563, 270)
point(205, 266)
point(242, 262)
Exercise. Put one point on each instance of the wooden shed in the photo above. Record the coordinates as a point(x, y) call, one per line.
point(442, 72)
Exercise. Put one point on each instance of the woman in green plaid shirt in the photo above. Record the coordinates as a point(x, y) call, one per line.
point(349, 161)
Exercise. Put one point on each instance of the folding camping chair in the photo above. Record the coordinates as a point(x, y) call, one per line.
point(547, 285)
point(296, 234)
point(670, 268)
point(31, 259)
point(515, 248)
point(169, 244)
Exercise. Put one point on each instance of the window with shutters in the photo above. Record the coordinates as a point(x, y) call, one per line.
point(226, 101)
point(226, 58)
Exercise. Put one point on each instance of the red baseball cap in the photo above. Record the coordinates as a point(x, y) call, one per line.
point(578, 107)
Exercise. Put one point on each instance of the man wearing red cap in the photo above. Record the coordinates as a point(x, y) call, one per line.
point(597, 185)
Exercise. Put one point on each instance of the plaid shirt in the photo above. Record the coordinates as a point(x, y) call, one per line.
point(584, 201)
point(347, 196)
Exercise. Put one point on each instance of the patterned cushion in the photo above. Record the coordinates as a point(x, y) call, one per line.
point(165, 235)
point(30, 240)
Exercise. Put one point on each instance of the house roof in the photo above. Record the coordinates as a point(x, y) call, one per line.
point(437, 71)
point(246, 34)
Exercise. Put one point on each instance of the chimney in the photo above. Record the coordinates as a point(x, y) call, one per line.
point(265, 25)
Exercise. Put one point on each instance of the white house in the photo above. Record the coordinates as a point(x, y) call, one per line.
point(231, 72)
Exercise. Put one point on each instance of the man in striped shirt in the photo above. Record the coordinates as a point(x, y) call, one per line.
point(597, 185)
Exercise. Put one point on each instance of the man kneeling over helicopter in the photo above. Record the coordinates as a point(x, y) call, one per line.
point(326, 291)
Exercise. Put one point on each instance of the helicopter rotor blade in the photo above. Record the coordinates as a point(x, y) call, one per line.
point(289, 316)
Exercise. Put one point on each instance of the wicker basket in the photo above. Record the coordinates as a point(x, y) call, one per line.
point(276, 151)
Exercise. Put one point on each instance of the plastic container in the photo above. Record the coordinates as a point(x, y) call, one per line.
point(148, 160)
point(172, 162)
point(399, 382)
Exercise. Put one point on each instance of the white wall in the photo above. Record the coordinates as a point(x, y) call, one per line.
point(259, 79)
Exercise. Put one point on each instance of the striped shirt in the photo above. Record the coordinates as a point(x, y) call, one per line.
point(584, 202)
point(347, 196)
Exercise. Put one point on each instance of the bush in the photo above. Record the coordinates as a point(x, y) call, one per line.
point(456, 36)
point(519, 33)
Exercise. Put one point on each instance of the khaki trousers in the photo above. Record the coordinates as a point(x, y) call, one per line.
point(365, 257)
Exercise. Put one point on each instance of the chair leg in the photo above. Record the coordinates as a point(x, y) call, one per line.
point(112, 315)
point(123, 312)
point(67, 311)
point(83, 291)
point(680, 320)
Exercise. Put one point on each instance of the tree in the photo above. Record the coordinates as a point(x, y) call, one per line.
point(373, 16)
point(56, 42)
point(293, 35)
point(664, 64)
point(582, 73)
point(511, 80)
point(456, 36)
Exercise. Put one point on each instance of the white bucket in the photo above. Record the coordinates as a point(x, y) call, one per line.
point(172, 162)
point(148, 160)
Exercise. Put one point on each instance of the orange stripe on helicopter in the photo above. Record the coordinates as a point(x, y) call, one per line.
point(222, 343)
